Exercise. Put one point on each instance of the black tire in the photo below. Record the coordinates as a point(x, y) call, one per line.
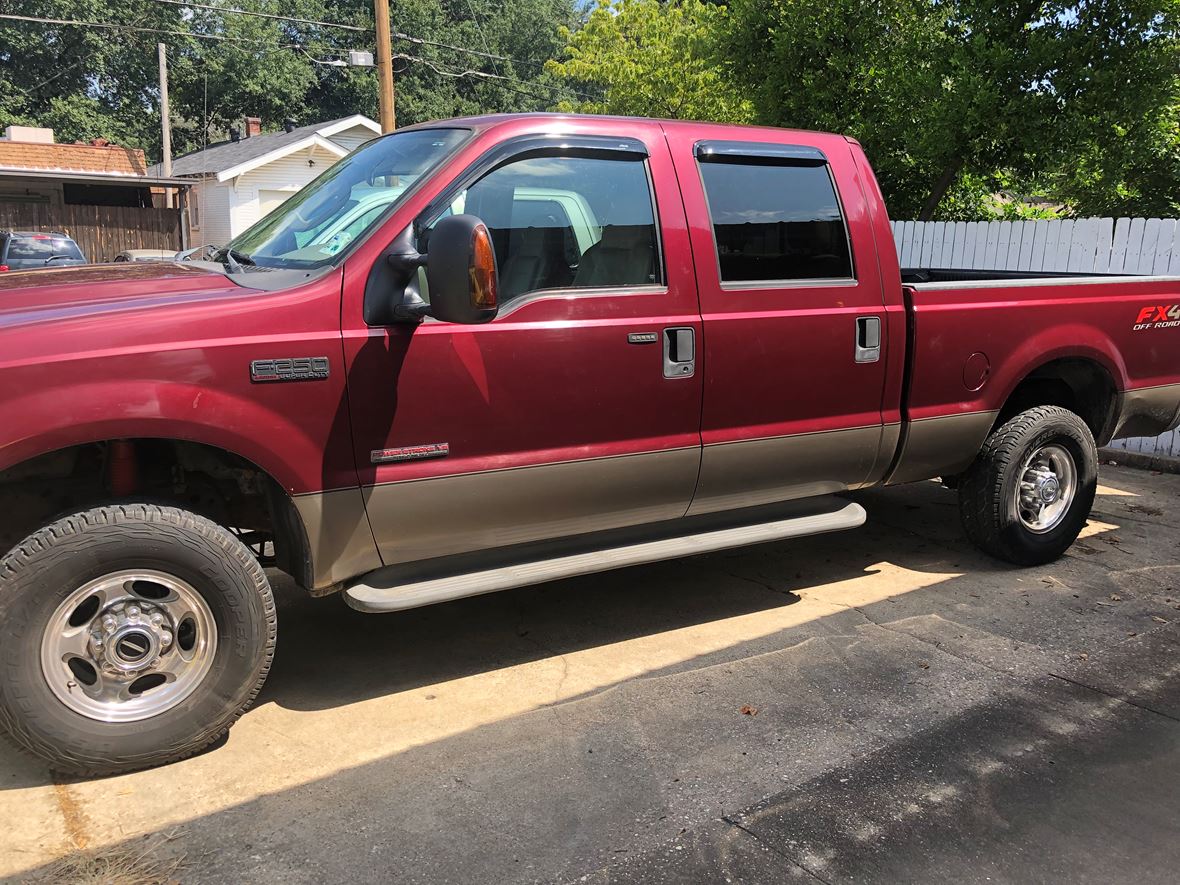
point(988, 489)
point(38, 575)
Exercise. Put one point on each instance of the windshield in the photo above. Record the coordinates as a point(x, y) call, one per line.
point(312, 227)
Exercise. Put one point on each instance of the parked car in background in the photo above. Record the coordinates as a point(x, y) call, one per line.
point(146, 255)
point(29, 250)
point(490, 352)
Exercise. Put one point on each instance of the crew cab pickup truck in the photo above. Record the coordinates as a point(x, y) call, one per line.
point(562, 345)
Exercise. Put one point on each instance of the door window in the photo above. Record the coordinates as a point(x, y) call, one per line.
point(561, 222)
point(775, 222)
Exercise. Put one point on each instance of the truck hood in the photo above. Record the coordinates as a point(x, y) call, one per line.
point(56, 293)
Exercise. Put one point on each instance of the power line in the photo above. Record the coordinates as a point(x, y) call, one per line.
point(286, 18)
point(498, 79)
point(141, 30)
point(396, 35)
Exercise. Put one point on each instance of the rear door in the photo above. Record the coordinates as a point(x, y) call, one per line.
point(578, 408)
point(792, 304)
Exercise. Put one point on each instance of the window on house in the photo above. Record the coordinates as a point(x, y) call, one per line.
point(775, 217)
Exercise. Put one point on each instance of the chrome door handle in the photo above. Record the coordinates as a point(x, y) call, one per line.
point(868, 339)
point(680, 353)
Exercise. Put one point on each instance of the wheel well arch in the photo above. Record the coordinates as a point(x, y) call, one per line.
point(207, 479)
point(1082, 385)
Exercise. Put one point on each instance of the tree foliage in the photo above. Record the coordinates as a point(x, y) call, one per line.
point(949, 97)
point(91, 82)
point(652, 59)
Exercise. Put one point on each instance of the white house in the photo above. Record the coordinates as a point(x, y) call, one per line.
point(240, 180)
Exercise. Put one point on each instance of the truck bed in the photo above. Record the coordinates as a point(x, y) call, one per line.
point(975, 335)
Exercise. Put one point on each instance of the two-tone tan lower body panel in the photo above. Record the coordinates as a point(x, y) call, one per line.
point(424, 519)
point(1148, 411)
point(941, 446)
point(750, 473)
point(338, 534)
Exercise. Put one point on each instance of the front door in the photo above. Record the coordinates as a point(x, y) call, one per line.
point(793, 313)
point(578, 408)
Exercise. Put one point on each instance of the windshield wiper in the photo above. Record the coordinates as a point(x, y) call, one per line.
point(233, 259)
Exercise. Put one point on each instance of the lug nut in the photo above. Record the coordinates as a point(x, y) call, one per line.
point(109, 624)
point(165, 638)
point(133, 612)
point(157, 618)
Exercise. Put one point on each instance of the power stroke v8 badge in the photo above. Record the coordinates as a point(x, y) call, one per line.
point(291, 368)
point(1158, 316)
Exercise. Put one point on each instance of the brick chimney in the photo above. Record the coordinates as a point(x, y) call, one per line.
point(253, 126)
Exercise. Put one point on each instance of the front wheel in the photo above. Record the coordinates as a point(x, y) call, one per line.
point(1028, 493)
point(135, 635)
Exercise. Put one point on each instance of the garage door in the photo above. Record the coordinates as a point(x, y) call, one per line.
point(269, 200)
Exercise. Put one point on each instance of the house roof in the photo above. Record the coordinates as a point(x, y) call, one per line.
point(104, 160)
point(227, 159)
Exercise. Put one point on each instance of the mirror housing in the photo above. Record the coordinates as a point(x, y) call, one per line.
point(461, 271)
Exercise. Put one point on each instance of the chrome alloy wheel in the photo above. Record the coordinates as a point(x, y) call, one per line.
point(128, 646)
point(1046, 489)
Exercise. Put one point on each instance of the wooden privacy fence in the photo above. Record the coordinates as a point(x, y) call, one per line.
point(1083, 245)
point(102, 232)
point(1138, 246)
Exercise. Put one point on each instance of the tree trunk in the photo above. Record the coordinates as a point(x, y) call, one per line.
point(939, 190)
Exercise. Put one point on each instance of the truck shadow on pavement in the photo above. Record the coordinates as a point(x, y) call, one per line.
point(881, 704)
point(330, 655)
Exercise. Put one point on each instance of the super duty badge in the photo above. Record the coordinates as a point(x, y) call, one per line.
point(291, 368)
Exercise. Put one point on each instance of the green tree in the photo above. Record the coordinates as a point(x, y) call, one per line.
point(942, 90)
point(653, 59)
point(89, 82)
point(85, 82)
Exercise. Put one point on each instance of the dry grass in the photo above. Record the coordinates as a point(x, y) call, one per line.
point(144, 864)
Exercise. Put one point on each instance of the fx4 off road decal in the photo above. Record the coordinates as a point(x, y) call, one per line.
point(1161, 316)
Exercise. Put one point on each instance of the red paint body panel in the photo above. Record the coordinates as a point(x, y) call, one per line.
point(552, 380)
point(164, 350)
point(778, 358)
point(1022, 327)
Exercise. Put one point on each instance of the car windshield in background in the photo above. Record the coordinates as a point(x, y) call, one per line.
point(315, 225)
point(43, 248)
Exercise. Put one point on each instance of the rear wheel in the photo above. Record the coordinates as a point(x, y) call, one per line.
point(1028, 493)
point(134, 635)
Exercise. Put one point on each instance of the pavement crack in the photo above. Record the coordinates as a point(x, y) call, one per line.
point(765, 585)
point(774, 849)
point(933, 644)
point(1144, 707)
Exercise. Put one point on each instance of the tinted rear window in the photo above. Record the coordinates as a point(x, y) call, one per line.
point(41, 248)
point(776, 222)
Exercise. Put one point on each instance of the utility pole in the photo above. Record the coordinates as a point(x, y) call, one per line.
point(384, 65)
point(165, 122)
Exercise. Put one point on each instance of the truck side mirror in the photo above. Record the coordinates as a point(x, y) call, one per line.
point(461, 271)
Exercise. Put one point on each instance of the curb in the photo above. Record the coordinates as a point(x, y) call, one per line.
point(1162, 463)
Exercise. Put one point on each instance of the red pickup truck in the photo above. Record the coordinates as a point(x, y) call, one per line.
point(490, 352)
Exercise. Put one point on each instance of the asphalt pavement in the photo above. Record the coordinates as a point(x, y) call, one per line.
point(879, 705)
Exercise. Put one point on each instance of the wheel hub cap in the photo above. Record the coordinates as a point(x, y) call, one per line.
point(1046, 489)
point(128, 646)
point(130, 637)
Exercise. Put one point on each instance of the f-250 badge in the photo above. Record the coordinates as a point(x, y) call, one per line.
point(1161, 316)
point(292, 368)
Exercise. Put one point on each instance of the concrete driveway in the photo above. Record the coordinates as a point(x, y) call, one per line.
point(878, 705)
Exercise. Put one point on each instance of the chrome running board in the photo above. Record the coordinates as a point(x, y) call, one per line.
point(401, 587)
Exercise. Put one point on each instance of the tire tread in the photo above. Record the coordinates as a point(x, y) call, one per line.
point(39, 548)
